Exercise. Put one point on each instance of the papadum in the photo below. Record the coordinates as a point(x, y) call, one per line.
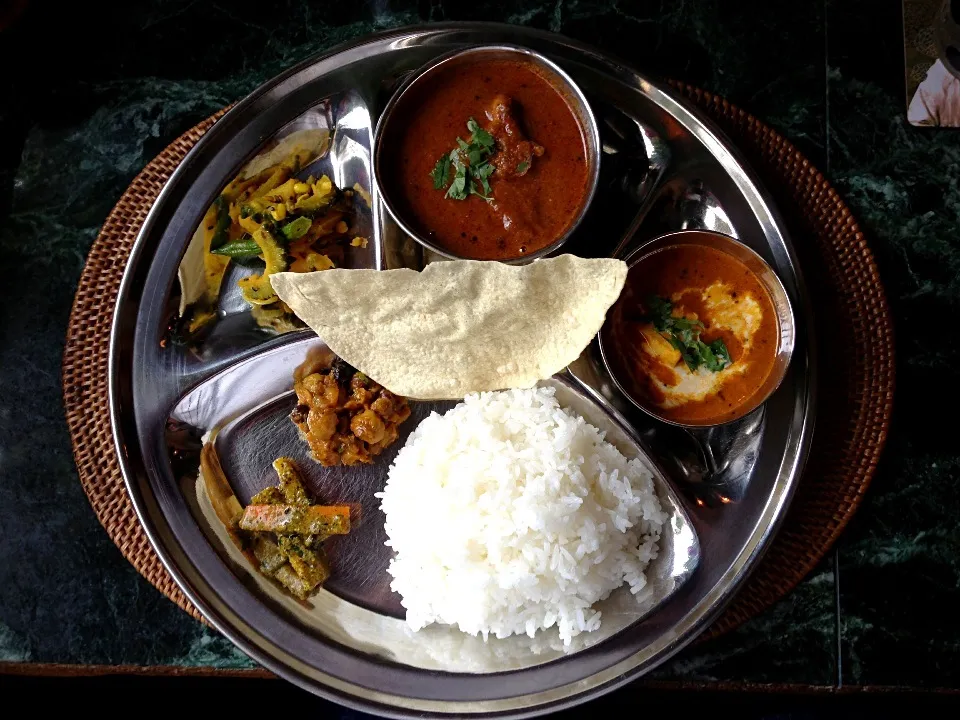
point(458, 326)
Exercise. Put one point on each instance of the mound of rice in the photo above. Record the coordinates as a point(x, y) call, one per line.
point(509, 514)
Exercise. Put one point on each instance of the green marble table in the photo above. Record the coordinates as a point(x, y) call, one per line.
point(879, 611)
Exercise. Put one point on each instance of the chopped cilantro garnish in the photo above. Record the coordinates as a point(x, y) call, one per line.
point(469, 164)
point(684, 335)
point(480, 136)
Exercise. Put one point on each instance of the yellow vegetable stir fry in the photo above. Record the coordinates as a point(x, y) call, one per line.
point(274, 218)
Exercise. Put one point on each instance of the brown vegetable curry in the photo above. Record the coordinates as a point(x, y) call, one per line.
point(694, 335)
point(344, 416)
point(510, 138)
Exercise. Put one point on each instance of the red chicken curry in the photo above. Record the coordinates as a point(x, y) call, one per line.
point(537, 172)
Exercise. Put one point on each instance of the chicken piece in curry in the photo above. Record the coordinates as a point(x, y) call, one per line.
point(345, 417)
point(515, 153)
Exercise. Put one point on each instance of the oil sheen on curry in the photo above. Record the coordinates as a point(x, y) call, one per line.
point(489, 161)
point(695, 334)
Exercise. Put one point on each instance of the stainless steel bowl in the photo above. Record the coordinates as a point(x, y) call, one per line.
point(768, 278)
point(553, 74)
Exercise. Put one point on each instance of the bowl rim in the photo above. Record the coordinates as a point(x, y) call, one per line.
point(586, 120)
point(787, 335)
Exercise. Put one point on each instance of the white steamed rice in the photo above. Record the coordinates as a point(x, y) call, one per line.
point(509, 514)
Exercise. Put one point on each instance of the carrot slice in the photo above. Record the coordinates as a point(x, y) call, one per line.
point(320, 519)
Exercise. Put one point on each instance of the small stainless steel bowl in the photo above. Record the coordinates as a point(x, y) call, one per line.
point(553, 74)
point(767, 277)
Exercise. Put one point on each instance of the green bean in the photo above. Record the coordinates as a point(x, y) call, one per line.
point(241, 249)
point(222, 228)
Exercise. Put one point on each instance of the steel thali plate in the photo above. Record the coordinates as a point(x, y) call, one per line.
point(663, 169)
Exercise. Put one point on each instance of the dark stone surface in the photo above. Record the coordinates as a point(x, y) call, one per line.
point(124, 89)
point(899, 559)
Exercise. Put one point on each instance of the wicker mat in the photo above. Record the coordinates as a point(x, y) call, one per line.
point(855, 393)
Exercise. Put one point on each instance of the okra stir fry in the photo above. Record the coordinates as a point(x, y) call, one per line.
point(286, 531)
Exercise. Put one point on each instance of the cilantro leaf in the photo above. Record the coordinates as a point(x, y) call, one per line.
point(486, 189)
point(474, 157)
point(721, 355)
point(480, 136)
point(481, 174)
point(660, 310)
point(474, 191)
point(441, 173)
point(709, 358)
point(458, 188)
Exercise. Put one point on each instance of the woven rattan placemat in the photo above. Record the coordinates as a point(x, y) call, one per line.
point(855, 386)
